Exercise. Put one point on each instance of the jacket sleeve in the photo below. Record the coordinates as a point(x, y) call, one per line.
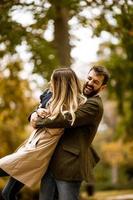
point(44, 97)
point(85, 115)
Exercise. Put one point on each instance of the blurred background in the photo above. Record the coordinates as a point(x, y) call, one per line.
point(37, 36)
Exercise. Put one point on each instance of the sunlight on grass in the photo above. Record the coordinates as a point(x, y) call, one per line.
point(106, 195)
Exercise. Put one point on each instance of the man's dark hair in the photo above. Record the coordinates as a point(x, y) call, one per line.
point(100, 70)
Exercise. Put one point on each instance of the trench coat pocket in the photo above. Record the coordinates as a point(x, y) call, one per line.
point(72, 150)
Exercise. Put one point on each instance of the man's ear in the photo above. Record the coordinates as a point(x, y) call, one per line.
point(103, 87)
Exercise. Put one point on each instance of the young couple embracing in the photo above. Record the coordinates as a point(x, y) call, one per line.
point(58, 152)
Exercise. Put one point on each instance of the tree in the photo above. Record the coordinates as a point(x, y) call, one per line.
point(115, 19)
point(113, 154)
point(46, 55)
point(16, 102)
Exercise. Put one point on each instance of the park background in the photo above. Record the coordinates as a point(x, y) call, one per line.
point(36, 37)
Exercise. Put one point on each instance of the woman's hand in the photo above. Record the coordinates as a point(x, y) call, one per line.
point(33, 119)
point(42, 112)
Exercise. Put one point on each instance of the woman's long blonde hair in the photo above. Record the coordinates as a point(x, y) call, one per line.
point(66, 93)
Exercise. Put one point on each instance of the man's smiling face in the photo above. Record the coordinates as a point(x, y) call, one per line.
point(93, 84)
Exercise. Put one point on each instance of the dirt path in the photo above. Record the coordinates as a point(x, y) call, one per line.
point(121, 197)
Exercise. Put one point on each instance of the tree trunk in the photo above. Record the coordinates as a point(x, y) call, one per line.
point(114, 174)
point(129, 123)
point(61, 36)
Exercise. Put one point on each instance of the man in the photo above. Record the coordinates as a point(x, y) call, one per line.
point(74, 158)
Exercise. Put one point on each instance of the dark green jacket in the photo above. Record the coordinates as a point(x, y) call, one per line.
point(74, 158)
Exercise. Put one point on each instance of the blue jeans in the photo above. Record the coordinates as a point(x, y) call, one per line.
point(12, 188)
point(53, 189)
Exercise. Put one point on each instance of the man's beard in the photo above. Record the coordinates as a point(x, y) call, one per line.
point(92, 93)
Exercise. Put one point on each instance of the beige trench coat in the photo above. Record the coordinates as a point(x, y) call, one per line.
point(30, 161)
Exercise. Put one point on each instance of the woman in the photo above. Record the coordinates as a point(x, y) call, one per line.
point(28, 164)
